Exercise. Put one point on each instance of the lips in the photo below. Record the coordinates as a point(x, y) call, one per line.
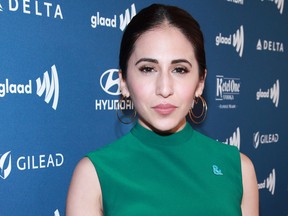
point(164, 109)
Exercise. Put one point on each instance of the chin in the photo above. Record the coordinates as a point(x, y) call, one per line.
point(167, 127)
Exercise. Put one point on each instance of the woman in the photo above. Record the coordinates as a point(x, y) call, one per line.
point(163, 166)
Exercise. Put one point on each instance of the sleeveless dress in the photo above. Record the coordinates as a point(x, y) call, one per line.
point(186, 173)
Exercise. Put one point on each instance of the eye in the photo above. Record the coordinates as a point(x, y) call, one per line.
point(147, 69)
point(180, 70)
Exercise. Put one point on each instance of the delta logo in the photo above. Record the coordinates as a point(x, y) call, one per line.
point(236, 40)
point(33, 7)
point(112, 22)
point(48, 85)
point(272, 93)
point(271, 46)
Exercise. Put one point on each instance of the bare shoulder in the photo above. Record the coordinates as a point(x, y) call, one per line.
point(84, 195)
point(246, 163)
point(250, 199)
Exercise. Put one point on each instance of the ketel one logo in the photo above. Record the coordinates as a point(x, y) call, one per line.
point(227, 88)
point(273, 93)
point(5, 165)
point(51, 87)
point(269, 183)
point(237, 40)
point(110, 82)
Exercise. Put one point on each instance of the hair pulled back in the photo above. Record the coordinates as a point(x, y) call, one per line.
point(154, 16)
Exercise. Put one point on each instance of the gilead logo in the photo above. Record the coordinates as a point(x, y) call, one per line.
point(40, 161)
point(5, 165)
point(29, 162)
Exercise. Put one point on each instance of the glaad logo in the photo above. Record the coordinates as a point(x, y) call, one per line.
point(37, 8)
point(51, 88)
point(270, 46)
point(234, 140)
point(12, 88)
point(241, 2)
point(264, 139)
point(124, 21)
point(98, 20)
point(110, 83)
point(56, 212)
point(279, 3)
point(1, 8)
point(269, 183)
point(5, 165)
point(273, 93)
point(237, 41)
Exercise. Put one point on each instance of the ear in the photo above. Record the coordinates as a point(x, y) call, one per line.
point(123, 85)
point(201, 85)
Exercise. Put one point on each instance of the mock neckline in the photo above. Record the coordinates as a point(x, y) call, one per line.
point(151, 138)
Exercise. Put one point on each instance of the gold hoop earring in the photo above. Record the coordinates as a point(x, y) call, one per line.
point(124, 102)
point(197, 119)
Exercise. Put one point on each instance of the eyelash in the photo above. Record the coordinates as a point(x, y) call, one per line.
point(146, 69)
point(179, 70)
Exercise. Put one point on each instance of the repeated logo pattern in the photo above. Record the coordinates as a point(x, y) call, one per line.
point(80, 44)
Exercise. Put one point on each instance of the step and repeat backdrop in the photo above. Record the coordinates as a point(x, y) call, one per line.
point(59, 90)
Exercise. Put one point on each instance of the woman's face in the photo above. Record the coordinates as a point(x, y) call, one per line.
point(162, 79)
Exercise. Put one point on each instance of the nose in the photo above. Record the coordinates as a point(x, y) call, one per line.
point(164, 85)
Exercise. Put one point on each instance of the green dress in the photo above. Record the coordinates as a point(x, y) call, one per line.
point(186, 173)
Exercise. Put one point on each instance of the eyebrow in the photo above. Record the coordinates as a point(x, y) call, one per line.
point(147, 60)
point(176, 61)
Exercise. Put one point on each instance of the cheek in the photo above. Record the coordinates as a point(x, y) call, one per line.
point(140, 92)
point(187, 92)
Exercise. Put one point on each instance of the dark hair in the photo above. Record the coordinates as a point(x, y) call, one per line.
point(153, 16)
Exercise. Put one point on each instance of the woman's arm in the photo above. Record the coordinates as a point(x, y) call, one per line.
point(84, 195)
point(250, 200)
